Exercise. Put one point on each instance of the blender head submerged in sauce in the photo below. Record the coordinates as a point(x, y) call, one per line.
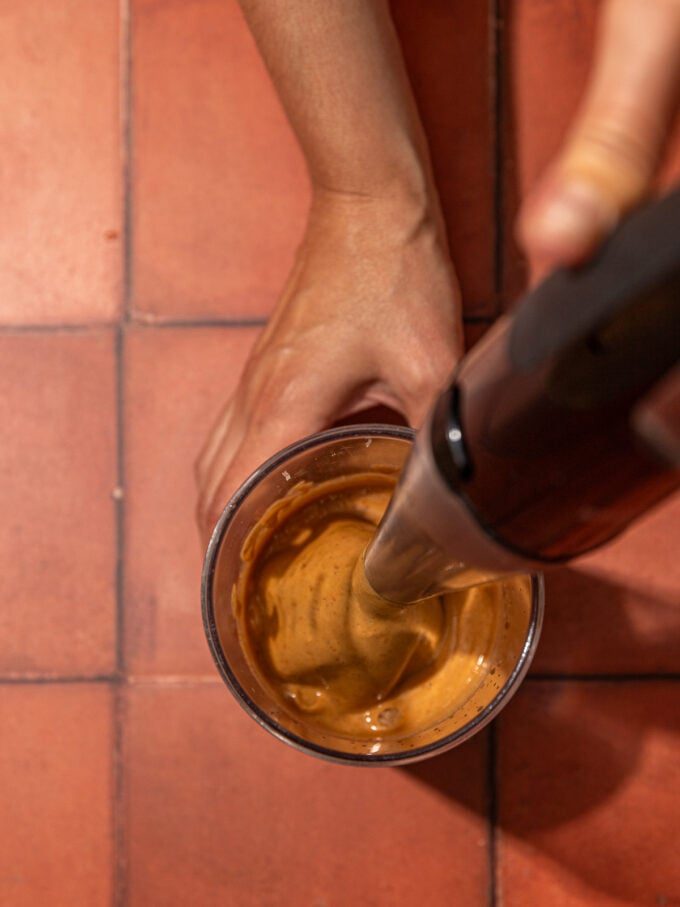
point(326, 647)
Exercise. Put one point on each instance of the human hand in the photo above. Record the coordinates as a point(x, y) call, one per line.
point(369, 315)
point(610, 155)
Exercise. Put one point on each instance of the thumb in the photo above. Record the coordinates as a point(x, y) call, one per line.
point(260, 440)
point(285, 410)
point(611, 154)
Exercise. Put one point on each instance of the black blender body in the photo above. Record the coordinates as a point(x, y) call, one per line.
point(550, 439)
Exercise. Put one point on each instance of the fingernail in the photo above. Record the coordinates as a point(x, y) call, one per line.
point(575, 215)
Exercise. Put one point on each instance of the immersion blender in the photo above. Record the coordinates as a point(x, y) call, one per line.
point(558, 430)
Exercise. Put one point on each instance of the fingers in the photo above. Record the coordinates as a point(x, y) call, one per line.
point(267, 415)
point(426, 384)
point(222, 446)
point(272, 408)
point(253, 450)
point(227, 432)
point(353, 328)
point(610, 156)
point(213, 443)
point(419, 381)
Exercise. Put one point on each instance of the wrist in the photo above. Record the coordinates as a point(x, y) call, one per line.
point(405, 177)
point(397, 174)
point(402, 207)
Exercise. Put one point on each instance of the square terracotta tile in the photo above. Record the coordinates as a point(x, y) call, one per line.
point(57, 476)
point(220, 189)
point(616, 611)
point(61, 162)
point(449, 59)
point(219, 812)
point(55, 795)
point(176, 382)
point(589, 795)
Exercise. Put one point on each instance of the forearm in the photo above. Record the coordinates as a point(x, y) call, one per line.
point(338, 69)
point(370, 312)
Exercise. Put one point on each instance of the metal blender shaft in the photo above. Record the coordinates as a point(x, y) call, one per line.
point(428, 542)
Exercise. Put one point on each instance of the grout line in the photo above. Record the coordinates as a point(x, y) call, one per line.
point(119, 499)
point(84, 326)
point(146, 323)
point(671, 677)
point(492, 812)
point(119, 890)
point(498, 101)
point(127, 136)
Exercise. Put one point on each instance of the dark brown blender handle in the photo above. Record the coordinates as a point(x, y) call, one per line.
point(559, 428)
point(548, 448)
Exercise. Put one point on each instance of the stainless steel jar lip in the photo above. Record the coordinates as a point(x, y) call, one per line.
point(266, 721)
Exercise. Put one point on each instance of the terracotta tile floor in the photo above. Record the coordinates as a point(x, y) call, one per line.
point(128, 776)
point(60, 256)
point(217, 812)
point(56, 794)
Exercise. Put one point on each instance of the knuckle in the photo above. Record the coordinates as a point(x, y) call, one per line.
point(210, 515)
point(609, 151)
point(425, 377)
point(202, 510)
point(269, 375)
point(615, 138)
point(199, 516)
point(280, 389)
point(211, 522)
point(199, 469)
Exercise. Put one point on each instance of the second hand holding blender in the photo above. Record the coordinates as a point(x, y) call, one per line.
point(559, 429)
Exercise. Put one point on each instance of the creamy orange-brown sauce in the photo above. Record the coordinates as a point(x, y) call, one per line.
point(325, 646)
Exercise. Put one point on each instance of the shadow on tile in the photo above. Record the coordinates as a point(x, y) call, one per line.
point(583, 770)
point(594, 625)
point(442, 774)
